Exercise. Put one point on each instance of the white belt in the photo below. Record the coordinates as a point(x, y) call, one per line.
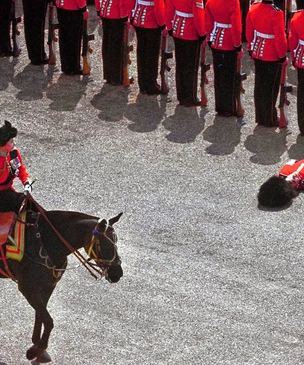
point(145, 3)
point(185, 15)
point(263, 35)
point(214, 30)
point(301, 42)
point(222, 25)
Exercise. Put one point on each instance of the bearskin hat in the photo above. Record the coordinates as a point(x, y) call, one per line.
point(6, 133)
point(276, 192)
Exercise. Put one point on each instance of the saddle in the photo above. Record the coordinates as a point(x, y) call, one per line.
point(7, 220)
point(12, 231)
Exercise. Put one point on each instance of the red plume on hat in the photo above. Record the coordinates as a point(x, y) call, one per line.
point(7, 132)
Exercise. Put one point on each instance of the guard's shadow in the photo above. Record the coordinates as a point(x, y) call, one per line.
point(66, 92)
point(224, 135)
point(267, 145)
point(184, 125)
point(146, 113)
point(296, 151)
point(7, 73)
point(112, 101)
point(31, 82)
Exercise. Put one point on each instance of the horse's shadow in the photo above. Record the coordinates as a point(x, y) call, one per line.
point(112, 102)
point(184, 125)
point(31, 82)
point(267, 144)
point(224, 135)
point(66, 92)
point(146, 113)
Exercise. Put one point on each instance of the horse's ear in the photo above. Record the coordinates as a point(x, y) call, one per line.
point(115, 219)
point(101, 225)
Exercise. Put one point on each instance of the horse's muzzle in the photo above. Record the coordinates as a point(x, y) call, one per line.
point(114, 273)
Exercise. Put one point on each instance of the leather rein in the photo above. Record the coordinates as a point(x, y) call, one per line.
point(84, 261)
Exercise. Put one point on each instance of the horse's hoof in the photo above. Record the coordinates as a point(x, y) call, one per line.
point(43, 357)
point(32, 352)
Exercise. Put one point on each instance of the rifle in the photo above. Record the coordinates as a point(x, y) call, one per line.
point(51, 33)
point(164, 67)
point(240, 77)
point(126, 56)
point(204, 68)
point(86, 49)
point(15, 32)
point(284, 102)
point(288, 15)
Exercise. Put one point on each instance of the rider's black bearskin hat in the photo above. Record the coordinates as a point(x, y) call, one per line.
point(276, 192)
point(6, 133)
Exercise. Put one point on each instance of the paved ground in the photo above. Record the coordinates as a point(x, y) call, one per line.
point(209, 278)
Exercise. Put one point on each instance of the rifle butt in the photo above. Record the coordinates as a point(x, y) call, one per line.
point(86, 67)
point(203, 97)
point(283, 120)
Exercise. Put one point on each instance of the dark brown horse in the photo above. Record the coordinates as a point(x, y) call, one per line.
point(50, 237)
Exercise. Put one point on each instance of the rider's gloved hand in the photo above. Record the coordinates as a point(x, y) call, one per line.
point(27, 187)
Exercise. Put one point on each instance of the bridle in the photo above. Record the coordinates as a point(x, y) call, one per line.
point(94, 248)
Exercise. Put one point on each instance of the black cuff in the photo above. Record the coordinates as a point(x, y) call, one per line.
point(202, 37)
point(163, 27)
point(170, 32)
point(84, 9)
point(238, 49)
point(125, 19)
point(282, 59)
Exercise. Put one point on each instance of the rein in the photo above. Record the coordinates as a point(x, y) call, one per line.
point(89, 266)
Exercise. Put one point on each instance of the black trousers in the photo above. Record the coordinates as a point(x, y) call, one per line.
point(148, 46)
point(10, 200)
point(266, 90)
point(224, 66)
point(5, 10)
point(34, 12)
point(70, 34)
point(112, 50)
point(244, 4)
point(300, 4)
point(300, 99)
point(187, 55)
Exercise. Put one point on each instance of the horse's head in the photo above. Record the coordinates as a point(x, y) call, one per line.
point(103, 250)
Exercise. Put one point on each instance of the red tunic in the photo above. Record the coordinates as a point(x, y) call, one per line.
point(149, 14)
point(9, 170)
point(296, 39)
point(265, 32)
point(114, 9)
point(224, 24)
point(293, 171)
point(71, 4)
point(186, 18)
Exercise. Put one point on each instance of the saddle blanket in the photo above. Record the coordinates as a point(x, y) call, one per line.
point(15, 251)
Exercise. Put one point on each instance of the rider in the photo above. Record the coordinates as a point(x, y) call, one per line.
point(11, 166)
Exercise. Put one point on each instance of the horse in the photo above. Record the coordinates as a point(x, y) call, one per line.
point(49, 238)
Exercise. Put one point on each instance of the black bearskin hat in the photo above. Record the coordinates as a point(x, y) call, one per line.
point(6, 133)
point(276, 192)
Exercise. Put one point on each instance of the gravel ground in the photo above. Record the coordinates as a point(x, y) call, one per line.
point(209, 278)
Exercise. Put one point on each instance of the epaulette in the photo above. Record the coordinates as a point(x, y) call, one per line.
point(275, 7)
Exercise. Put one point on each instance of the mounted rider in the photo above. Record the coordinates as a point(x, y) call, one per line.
point(11, 166)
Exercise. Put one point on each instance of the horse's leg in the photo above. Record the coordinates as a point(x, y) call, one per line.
point(39, 300)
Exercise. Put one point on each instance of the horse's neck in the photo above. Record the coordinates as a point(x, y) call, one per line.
point(74, 227)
